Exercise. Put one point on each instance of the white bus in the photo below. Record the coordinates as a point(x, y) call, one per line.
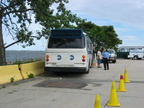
point(136, 54)
point(68, 50)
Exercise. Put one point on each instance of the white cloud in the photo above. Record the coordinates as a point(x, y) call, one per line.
point(126, 16)
point(118, 29)
point(131, 41)
point(129, 38)
point(128, 12)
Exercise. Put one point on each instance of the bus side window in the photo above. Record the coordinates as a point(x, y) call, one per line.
point(90, 45)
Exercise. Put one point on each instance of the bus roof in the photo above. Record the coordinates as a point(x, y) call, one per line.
point(66, 33)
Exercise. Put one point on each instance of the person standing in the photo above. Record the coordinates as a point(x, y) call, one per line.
point(99, 58)
point(105, 56)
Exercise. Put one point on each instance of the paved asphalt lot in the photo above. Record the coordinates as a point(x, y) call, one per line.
point(77, 90)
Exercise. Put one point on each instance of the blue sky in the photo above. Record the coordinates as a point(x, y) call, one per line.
point(127, 17)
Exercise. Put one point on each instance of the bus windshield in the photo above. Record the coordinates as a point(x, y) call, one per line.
point(66, 38)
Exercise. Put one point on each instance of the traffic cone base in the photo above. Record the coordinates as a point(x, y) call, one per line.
point(112, 104)
point(121, 90)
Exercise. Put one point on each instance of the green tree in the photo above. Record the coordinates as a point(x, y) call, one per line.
point(17, 15)
point(103, 36)
point(89, 28)
point(109, 37)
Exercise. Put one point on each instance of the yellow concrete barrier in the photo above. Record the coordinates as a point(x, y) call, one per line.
point(35, 68)
point(9, 73)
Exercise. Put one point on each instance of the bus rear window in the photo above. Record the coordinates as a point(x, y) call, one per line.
point(66, 42)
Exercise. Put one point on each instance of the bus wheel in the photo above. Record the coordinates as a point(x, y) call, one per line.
point(135, 58)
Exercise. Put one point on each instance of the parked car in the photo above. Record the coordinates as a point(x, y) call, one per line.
point(113, 55)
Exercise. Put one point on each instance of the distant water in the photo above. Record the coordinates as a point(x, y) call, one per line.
point(17, 55)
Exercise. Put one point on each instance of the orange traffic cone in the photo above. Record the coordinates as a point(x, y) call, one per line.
point(97, 102)
point(94, 64)
point(126, 78)
point(121, 84)
point(113, 96)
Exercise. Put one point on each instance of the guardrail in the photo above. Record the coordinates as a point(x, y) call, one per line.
point(11, 73)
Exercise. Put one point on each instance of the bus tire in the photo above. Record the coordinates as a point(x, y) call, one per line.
point(135, 57)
